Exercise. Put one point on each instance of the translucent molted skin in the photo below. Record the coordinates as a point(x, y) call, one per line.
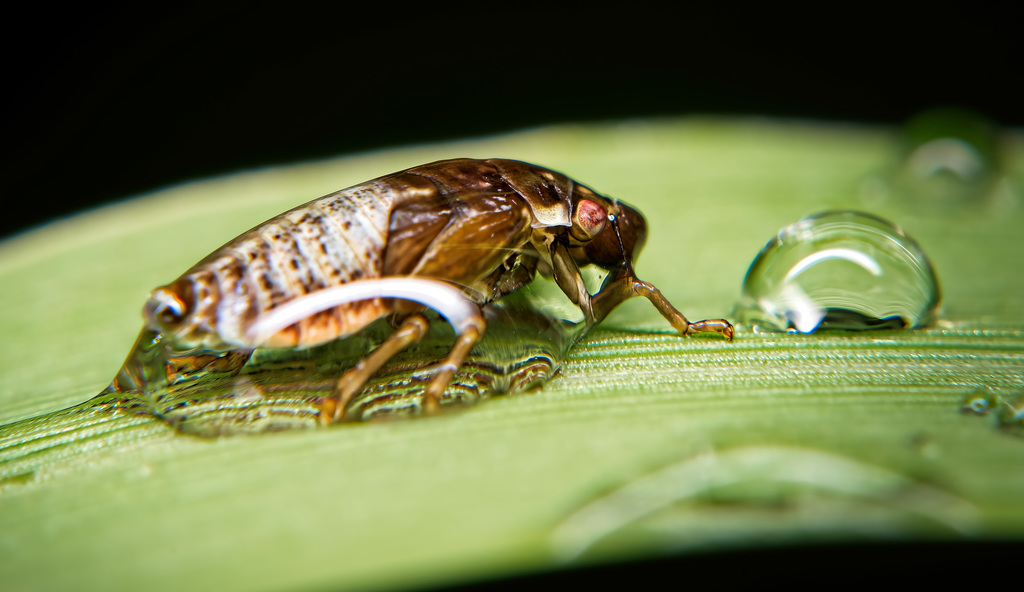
point(839, 270)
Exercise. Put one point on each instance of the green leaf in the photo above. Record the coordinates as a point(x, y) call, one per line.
point(645, 443)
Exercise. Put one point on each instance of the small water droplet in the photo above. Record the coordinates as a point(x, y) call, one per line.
point(951, 156)
point(1010, 416)
point(839, 270)
point(977, 402)
point(1004, 405)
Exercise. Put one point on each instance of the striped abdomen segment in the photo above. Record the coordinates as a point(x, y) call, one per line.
point(326, 242)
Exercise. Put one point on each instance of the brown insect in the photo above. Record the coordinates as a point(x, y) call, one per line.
point(450, 236)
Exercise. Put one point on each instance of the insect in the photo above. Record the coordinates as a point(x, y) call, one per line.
point(450, 236)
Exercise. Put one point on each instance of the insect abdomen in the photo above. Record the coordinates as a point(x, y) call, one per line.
point(326, 242)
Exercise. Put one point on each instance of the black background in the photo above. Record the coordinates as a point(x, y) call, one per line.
point(105, 102)
point(926, 565)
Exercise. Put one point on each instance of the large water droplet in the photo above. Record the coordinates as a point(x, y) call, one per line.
point(839, 270)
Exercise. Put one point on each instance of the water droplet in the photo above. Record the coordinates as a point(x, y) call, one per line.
point(977, 402)
point(1004, 406)
point(950, 157)
point(839, 270)
point(1010, 416)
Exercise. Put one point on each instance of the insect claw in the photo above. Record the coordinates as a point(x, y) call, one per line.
point(720, 326)
point(328, 411)
point(443, 374)
point(431, 404)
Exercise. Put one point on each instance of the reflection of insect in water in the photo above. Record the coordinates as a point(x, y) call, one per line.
point(450, 236)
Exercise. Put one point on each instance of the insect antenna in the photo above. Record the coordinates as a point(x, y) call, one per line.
point(627, 265)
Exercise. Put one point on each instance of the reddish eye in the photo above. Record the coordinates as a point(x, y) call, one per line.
point(589, 220)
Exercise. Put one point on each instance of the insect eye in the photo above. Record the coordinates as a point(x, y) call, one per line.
point(169, 313)
point(165, 308)
point(588, 221)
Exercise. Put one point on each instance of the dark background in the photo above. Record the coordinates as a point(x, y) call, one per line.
point(105, 102)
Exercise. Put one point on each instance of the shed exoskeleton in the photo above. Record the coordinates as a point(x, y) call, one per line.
point(451, 236)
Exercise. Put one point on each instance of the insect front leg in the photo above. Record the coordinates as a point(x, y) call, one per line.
point(621, 287)
point(616, 289)
point(567, 275)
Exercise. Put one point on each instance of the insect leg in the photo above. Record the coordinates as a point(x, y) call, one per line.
point(456, 357)
point(675, 317)
point(622, 287)
point(458, 309)
point(567, 275)
point(412, 329)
